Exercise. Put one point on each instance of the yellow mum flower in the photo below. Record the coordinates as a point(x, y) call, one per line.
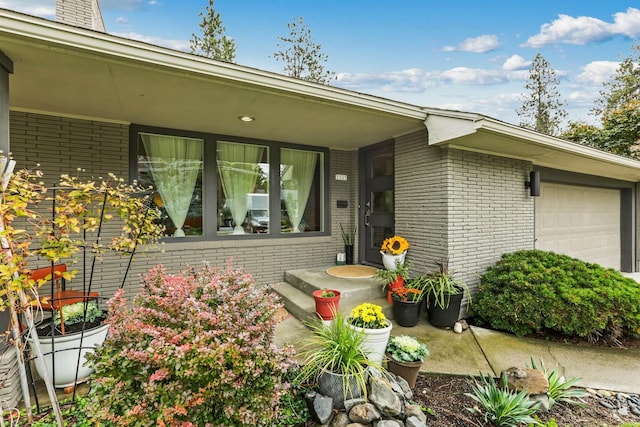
point(368, 316)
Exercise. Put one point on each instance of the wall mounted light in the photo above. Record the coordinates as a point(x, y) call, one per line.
point(246, 118)
point(533, 184)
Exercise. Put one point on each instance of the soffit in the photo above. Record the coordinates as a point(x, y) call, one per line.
point(482, 134)
point(68, 71)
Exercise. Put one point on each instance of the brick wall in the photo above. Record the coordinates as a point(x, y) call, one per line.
point(489, 210)
point(62, 145)
point(465, 206)
point(80, 13)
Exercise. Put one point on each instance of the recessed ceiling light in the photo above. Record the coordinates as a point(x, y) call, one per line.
point(246, 118)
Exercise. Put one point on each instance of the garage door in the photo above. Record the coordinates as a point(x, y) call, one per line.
point(582, 222)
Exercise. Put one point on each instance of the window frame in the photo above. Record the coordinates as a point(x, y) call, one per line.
point(210, 179)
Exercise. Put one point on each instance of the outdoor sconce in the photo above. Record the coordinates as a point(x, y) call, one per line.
point(533, 184)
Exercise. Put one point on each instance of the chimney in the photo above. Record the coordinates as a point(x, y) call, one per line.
point(80, 13)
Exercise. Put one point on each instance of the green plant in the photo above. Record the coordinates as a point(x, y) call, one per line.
point(293, 405)
point(440, 284)
point(403, 348)
point(336, 348)
point(550, 423)
point(196, 348)
point(75, 313)
point(501, 406)
point(326, 293)
point(387, 277)
point(73, 414)
point(348, 236)
point(541, 292)
point(368, 316)
point(560, 389)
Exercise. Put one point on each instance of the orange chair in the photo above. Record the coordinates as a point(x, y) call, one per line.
point(62, 296)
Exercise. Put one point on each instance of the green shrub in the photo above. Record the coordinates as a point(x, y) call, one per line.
point(534, 291)
point(196, 349)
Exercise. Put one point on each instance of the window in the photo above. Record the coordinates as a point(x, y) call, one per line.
point(173, 165)
point(222, 187)
point(243, 190)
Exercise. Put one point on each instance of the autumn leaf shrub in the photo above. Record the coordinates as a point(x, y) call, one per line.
point(533, 291)
point(196, 349)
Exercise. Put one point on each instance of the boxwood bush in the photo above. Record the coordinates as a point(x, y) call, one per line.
point(195, 349)
point(533, 291)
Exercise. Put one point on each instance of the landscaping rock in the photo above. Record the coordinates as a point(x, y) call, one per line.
point(390, 423)
point(340, 420)
point(384, 398)
point(543, 400)
point(415, 411)
point(365, 413)
point(531, 380)
point(348, 404)
point(415, 422)
point(321, 407)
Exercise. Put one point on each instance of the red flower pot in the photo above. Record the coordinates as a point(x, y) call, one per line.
point(326, 307)
point(398, 283)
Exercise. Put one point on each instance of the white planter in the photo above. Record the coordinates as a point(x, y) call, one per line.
point(375, 342)
point(66, 356)
point(389, 261)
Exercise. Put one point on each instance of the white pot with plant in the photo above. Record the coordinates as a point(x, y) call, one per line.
point(61, 223)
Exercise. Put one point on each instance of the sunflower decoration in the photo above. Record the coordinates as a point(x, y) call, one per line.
point(395, 245)
point(369, 316)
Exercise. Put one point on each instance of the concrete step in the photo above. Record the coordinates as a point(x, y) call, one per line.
point(297, 289)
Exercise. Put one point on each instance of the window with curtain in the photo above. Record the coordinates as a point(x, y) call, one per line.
point(243, 188)
point(301, 190)
point(173, 166)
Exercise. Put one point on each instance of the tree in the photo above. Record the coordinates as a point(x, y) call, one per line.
point(214, 43)
point(541, 110)
point(619, 110)
point(302, 56)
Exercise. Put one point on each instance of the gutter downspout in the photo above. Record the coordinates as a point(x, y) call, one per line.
point(6, 68)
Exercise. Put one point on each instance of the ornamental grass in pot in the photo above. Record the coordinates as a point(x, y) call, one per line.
point(405, 355)
point(334, 358)
point(444, 293)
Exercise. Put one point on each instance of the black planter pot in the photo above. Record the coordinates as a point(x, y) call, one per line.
point(348, 250)
point(406, 313)
point(445, 318)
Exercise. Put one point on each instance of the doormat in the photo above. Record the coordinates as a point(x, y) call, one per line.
point(352, 271)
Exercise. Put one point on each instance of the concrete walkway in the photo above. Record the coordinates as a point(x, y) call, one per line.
point(479, 350)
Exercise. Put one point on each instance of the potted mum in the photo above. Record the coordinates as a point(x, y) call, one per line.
point(406, 303)
point(369, 319)
point(405, 355)
point(393, 249)
point(327, 301)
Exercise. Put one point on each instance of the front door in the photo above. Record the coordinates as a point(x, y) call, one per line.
point(376, 200)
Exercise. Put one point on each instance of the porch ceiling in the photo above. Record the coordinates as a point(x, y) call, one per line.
point(482, 134)
point(63, 70)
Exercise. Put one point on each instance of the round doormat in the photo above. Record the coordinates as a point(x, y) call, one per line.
point(352, 271)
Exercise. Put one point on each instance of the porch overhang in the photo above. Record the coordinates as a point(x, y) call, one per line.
point(475, 132)
point(69, 71)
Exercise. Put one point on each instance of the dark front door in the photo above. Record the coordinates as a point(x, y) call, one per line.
point(377, 201)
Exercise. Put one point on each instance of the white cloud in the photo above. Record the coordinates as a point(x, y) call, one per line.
point(480, 44)
point(516, 62)
point(597, 72)
point(41, 8)
point(475, 76)
point(584, 29)
point(121, 20)
point(182, 45)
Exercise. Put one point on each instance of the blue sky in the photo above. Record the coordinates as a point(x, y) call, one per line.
point(466, 55)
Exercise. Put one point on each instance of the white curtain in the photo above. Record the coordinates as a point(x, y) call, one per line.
point(238, 166)
point(175, 164)
point(297, 177)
